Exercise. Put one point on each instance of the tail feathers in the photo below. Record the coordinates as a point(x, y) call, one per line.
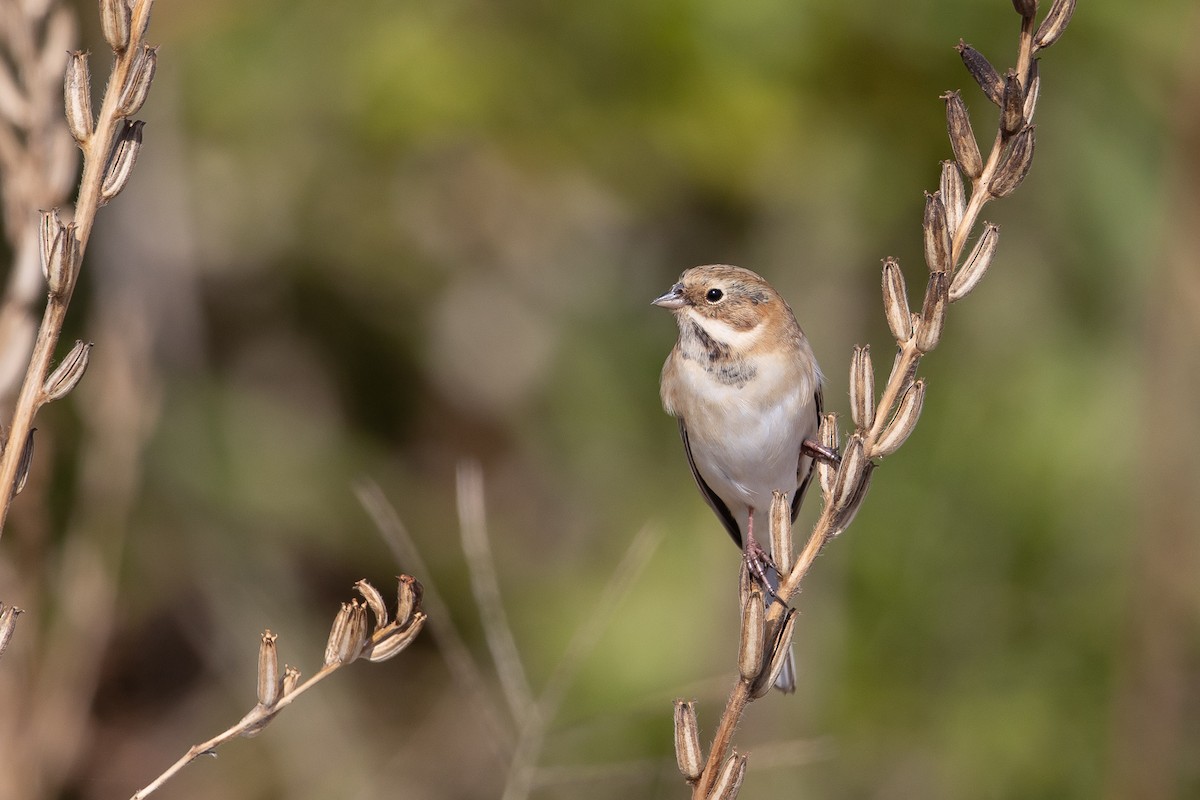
point(786, 680)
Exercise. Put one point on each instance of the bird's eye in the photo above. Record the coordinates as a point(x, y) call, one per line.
point(714, 295)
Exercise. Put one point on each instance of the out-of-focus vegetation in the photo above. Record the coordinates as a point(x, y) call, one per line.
point(374, 239)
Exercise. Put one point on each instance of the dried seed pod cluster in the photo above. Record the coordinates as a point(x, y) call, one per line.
point(353, 636)
point(966, 184)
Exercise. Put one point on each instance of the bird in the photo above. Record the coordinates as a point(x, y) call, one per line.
point(745, 387)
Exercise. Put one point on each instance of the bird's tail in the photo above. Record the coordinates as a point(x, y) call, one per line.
point(786, 681)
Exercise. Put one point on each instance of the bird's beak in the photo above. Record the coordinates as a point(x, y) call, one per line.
point(672, 299)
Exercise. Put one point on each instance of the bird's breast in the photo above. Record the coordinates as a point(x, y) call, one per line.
point(746, 438)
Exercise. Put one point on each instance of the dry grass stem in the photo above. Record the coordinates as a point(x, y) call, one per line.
point(532, 712)
point(883, 424)
point(459, 661)
point(350, 638)
point(486, 586)
point(523, 770)
point(109, 142)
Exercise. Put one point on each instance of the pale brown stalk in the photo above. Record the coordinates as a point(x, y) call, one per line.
point(351, 638)
point(103, 176)
point(883, 425)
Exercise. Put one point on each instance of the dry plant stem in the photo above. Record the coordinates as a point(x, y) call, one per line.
point(486, 587)
point(899, 380)
point(252, 720)
point(740, 697)
point(95, 161)
point(523, 772)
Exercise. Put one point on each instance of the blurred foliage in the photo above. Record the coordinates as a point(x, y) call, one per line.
point(371, 240)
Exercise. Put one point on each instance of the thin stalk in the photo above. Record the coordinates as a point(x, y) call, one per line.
point(257, 716)
point(95, 157)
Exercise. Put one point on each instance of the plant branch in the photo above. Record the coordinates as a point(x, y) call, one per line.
point(881, 426)
point(98, 140)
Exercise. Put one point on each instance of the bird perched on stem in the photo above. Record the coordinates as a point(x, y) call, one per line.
point(746, 388)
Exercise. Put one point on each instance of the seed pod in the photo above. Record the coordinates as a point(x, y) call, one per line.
point(120, 163)
point(1026, 8)
point(954, 196)
point(1034, 82)
point(68, 373)
point(982, 71)
point(781, 532)
point(1012, 106)
point(850, 474)
point(8, 624)
point(937, 234)
point(337, 633)
point(374, 602)
point(752, 643)
point(393, 639)
point(962, 137)
point(270, 682)
point(77, 96)
point(903, 423)
point(977, 263)
point(137, 84)
point(114, 20)
point(826, 472)
point(408, 599)
point(25, 463)
point(1054, 24)
point(781, 654)
point(729, 782)
point(933, 313)
point(1015, 167)
point(862, 388)
point(291, 679)
point(895, 301)
point(687, 740)
point(348, 634)
point(49, 230)
point(64, 262)
point(845, 515)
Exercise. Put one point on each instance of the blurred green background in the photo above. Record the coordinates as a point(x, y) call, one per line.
point(367, 241)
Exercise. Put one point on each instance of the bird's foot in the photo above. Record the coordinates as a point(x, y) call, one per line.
point(820, 453)
point(757, 562)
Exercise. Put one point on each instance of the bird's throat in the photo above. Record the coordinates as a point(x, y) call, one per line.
point(722, 361)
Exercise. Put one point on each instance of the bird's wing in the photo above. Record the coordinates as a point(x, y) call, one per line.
point(711, 497)
point(798, 497)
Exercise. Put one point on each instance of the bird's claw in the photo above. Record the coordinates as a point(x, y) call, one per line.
point(757, 561)
point(819, 453)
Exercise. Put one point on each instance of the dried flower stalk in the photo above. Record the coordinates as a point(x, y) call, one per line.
point(349, 639)
point(109, 144)
point(882, 425)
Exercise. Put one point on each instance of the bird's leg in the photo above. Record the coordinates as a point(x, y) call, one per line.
point(810, 448)
point(757, 559)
